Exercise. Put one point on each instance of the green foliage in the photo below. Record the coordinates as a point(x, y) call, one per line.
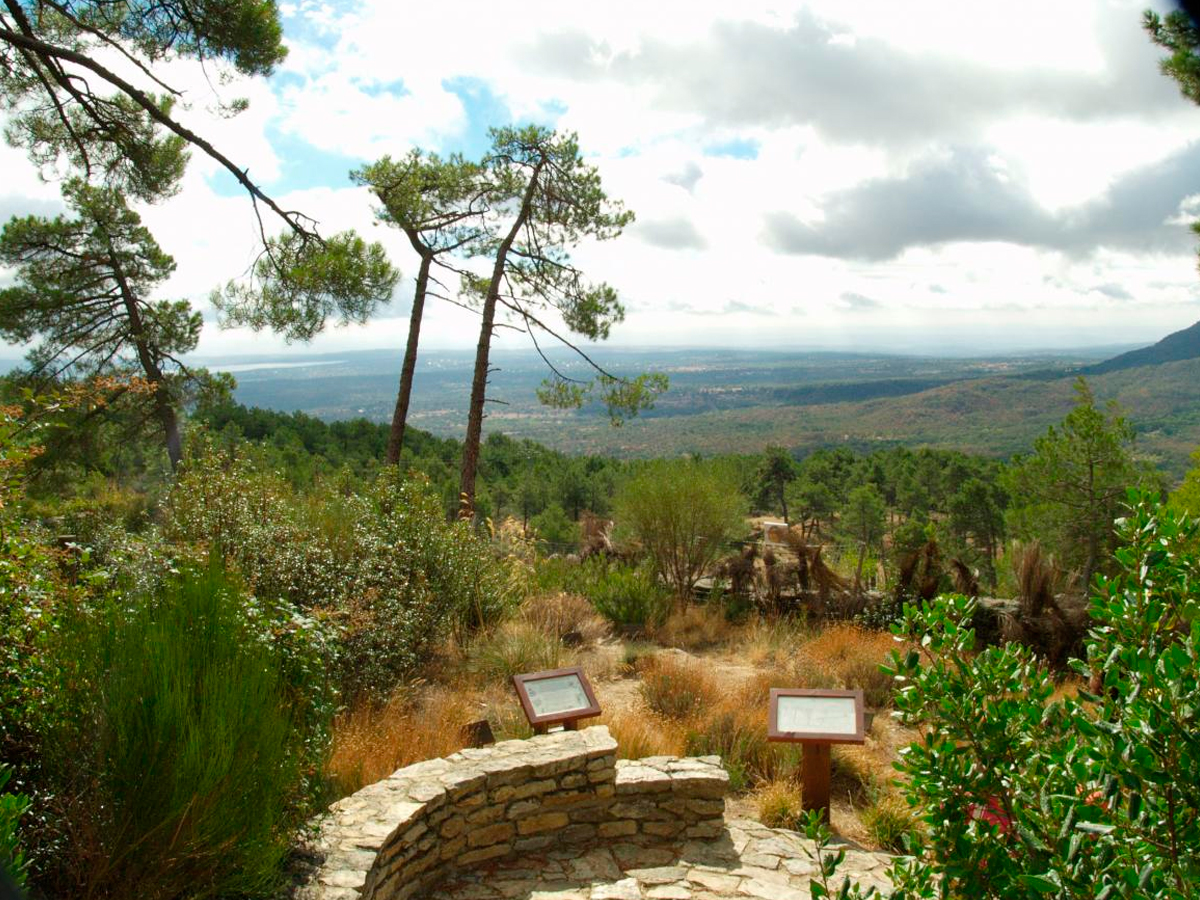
point(1178, 34)
point(776, 471)
point(828, 861)
point(864, 520)
point(299, 283)
point(1067, 492)
point(1023, 794)
point(172, 740)
point(382, 561)
point(553, 527)
point(12, 807)
point(1186, 497)
point(82, 290)
point(549, 199)
point(628, 596)
point(682, 513)
point(106, 125)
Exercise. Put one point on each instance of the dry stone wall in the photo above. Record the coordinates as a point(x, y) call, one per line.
point(398, 837)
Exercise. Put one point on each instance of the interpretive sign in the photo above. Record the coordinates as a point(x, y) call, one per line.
point(810, 716)
point(557, 696)
point(816, 719)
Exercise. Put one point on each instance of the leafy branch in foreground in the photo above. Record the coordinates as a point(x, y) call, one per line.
point(1025, 793)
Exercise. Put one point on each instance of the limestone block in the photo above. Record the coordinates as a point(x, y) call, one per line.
point(543, 822)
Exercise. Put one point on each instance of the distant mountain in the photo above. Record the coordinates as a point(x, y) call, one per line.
point(1183, 344)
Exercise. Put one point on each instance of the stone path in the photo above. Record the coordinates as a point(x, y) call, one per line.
point(749, 861)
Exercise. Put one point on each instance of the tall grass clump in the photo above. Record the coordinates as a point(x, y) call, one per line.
point(678, 690)
point(191, 732)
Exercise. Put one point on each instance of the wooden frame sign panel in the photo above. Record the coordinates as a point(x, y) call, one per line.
point(558, 696)
point(813, 716)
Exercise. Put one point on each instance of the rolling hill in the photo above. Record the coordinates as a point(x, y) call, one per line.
point(1184, 344)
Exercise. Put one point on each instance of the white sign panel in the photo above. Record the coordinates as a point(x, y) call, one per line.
point(817, 715)
point(550, 696)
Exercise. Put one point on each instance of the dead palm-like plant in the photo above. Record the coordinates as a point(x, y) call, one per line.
point(1048, 622)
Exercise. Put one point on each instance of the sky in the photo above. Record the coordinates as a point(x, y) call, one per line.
point(918, 176)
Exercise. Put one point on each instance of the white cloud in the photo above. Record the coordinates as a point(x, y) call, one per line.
point(1041, 112)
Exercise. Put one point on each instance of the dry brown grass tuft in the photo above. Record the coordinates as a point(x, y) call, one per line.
point(678, 689)
point(849, 657)
point(563, 613)
point(771, 641)
point(780, 804)
point(696, 628)
point(640, 734)
point(371, 742)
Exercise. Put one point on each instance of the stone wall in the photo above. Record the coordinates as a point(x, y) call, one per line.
point(398, 837)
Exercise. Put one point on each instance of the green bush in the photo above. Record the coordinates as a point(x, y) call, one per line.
point(740, 739)
point(1023, 795)
point(187, 745)
point(682, 512)
point(12, 807)
point(383, 562)
point(628, 596)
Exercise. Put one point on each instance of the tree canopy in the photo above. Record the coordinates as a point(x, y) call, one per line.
point(83, 290)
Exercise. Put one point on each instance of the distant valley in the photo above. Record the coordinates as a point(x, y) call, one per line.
point(724, 401)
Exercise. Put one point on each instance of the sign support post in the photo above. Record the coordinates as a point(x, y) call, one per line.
point(816, 719)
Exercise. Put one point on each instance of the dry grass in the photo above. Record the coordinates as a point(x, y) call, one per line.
point(770, 642)
point(849, 657)
point(563, 613)
point(887, 821)
point(639, 734)
point(511, 649)
point(371, 742)
point(678, 689)
point(696, 628)
point(780, 805)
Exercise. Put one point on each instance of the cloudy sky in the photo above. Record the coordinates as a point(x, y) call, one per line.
point(904, 176)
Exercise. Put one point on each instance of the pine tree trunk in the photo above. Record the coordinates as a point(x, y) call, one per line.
point(470, 464)
point(400, 414)
point(163, 410)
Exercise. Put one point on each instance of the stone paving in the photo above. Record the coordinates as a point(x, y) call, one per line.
point(748, 861)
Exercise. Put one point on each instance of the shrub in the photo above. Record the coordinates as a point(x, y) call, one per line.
point(780, 805)
point(12, 807)
point(682, 512)
point(695, 628)
point(1023, 794)
point(678, 690)
point(186, 747)
point(639, 735)
point(627, 596)
point(739, 737)
point(849, 657)
point(511, 649)
point(561, 613)
point(384, 563)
